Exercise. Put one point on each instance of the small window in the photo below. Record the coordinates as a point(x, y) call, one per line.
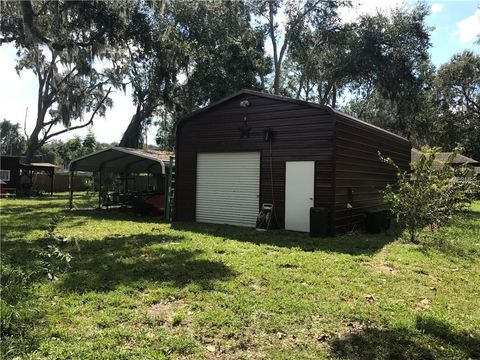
point(5, 175)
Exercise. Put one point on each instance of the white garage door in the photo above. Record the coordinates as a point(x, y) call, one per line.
point(228, 188)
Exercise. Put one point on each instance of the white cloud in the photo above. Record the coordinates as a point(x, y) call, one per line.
point(436, 8)
point(468, 28)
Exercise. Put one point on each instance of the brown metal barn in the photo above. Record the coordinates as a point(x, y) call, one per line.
point(253, 148)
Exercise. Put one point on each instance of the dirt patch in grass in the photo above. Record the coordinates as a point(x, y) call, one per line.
point(423, 305)
point(384, 268)
point(171, 312)
point(353, 327)
point(238, 346)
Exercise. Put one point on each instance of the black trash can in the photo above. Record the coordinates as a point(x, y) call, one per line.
point(377, 221)
point(318, 222)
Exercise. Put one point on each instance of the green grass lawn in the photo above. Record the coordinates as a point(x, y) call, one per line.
point(142, 289)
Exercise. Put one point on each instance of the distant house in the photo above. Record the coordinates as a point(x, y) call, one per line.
point(458, 160)
point(442, 157)
point(10, 174)
point(12, 168)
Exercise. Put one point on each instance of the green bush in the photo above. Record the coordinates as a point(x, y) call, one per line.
point(431, 194)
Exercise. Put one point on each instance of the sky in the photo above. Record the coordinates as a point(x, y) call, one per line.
point(456, 26)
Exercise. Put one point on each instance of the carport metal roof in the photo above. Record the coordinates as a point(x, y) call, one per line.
point(121, 160)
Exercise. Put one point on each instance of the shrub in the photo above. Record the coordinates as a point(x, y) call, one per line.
point(431, 193)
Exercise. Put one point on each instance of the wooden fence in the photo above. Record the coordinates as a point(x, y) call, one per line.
point(81, 182)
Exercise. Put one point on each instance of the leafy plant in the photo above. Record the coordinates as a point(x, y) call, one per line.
point(55, 259)
point(431, 194)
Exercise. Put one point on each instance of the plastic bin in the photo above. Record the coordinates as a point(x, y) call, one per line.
point(377, 221)
point(318, 222)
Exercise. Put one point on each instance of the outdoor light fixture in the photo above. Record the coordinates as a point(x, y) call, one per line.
point(244, 103)
point(244, 129)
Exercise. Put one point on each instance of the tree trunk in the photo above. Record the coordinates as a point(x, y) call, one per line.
point(277, 59)
point(132, 136)
point(33, 143)
point(276, 80)
point(324, 99)
point(334, 97)
point(300, 86)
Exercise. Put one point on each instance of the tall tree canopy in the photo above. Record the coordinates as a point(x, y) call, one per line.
point(76, 147)
point(149, 58)
point(189, 54)
point(389, 71)
point(383, 53)
point(59, 42)
point(300, 16)
point(176, 56)
point(12, 141)
point(220, 53)
point(457, 87)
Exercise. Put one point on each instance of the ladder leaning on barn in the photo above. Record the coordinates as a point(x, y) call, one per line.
point(170, 190)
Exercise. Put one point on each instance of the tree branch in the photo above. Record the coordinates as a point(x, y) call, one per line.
point(8, 39)
point(469, 100)
point(25, 125)
point(29, 21)
point(66, 76)
point(89, 122)
point(272, 31)
point(29, 25)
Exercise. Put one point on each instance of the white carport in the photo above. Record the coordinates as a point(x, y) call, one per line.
point(120, 160)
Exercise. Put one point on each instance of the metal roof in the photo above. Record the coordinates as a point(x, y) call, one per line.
point(40, 165)
point(121, 159)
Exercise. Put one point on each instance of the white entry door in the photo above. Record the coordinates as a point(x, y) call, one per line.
point(228, 187)
point(300, 180)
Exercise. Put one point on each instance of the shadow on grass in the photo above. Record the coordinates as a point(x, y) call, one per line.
point(433, 339)
point(459, 239)
point(112, 214)
point(24, 219)
point(469, 344)
point(136, 261)
point(354, 244)
point(373, 343)
point(132, 261)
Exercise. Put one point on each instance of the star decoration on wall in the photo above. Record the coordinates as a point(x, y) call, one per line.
point(244, 130)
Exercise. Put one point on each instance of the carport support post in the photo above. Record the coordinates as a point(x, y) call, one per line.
point(168, 209)
point(52, 174)
point(100, 189)
point(70, 188)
